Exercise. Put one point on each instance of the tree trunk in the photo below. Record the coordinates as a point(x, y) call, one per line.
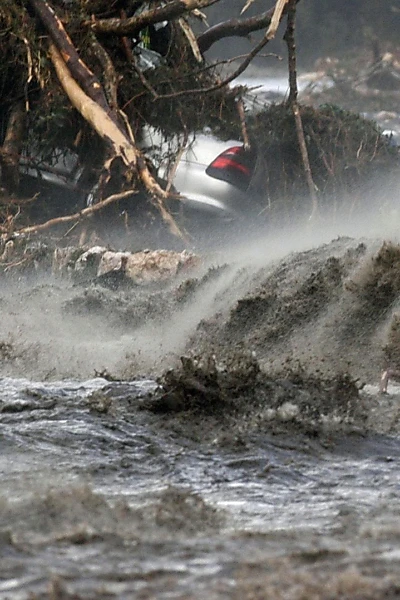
point(292, 101)
point(172, 10)
point(10, 152)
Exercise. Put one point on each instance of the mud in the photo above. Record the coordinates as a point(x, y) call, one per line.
point(308, 330)
point(344, 291)
point(228, 403)
point(259, 459)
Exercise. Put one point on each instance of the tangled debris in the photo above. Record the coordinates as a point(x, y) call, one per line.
point(367, 81)
point(346, 153)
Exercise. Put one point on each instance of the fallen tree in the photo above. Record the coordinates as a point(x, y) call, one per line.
point(73, 82)
point(88, 79)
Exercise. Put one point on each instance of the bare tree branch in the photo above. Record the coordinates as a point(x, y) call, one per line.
point(246, 6)
point(223, 83)
point(111, 76)
point(187, 30)
point(82, 214)
point(292, 101)
point(276, 18)
point(170, 11)
point(235, 28)
point(241, 68)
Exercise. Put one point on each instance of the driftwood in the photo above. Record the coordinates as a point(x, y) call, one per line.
point(79, 71)
point(82, 214)
point(87, 96)
point(177, 8)
point(280, 6)
point(116, 139)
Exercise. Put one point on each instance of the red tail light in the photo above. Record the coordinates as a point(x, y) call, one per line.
point(235, 166)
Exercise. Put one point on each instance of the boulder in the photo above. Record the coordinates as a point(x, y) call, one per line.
point(147, 266)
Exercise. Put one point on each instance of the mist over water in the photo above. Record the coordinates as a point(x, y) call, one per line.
point(53, 329)
point(279, 487)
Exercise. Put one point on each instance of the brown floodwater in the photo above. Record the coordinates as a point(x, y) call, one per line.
point(264, 466)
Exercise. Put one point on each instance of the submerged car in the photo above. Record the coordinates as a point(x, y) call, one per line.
point(212, 178)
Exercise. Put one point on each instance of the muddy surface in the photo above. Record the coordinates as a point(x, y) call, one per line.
point(218, 434)
point(323, 309)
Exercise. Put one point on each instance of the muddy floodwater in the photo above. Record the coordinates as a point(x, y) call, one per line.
point(218, 436)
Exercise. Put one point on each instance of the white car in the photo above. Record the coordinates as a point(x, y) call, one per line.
point(212, 176)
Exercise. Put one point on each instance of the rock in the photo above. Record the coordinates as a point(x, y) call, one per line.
point(93, 255)
point(109, 268)
point(147, 266)
point(111, 272)
point(86, 267)
point(112, 261)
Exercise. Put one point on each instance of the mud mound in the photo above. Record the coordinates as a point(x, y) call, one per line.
point(392, 348)
point(304, 305)
point(240, 396)
point(279, 318)
point(375, 290)
point(332, 309)
point(119, 309)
